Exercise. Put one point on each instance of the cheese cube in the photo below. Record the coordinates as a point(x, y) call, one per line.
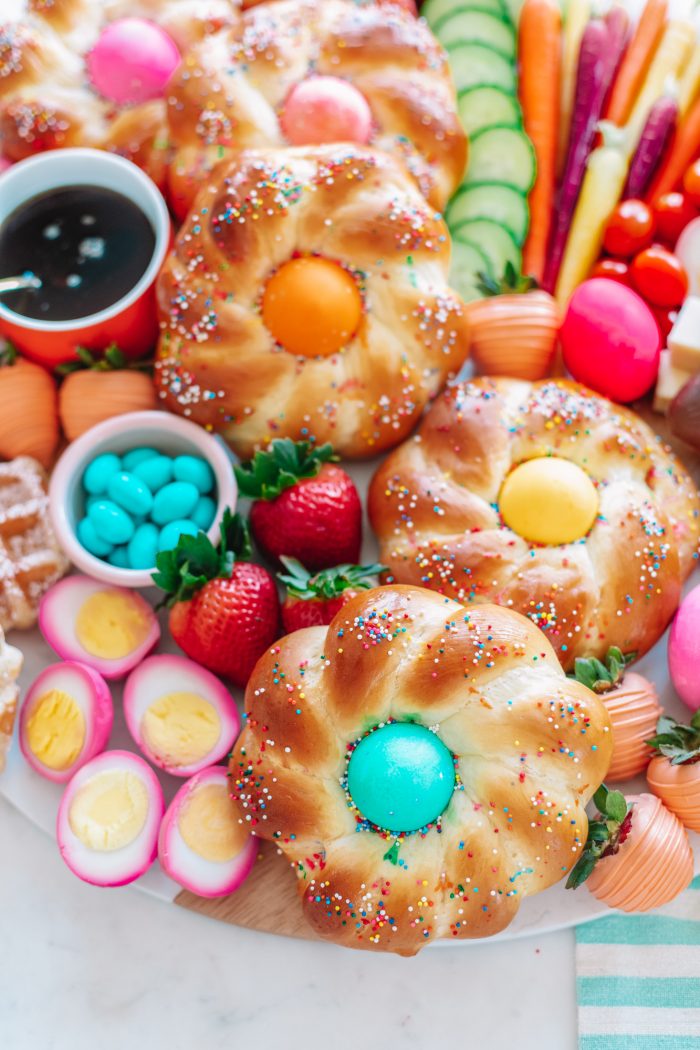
point(669, 382)
point(684, 337)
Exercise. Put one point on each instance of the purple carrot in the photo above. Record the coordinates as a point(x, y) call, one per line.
point(658, 129)
point(618, 25)
point(592, 79)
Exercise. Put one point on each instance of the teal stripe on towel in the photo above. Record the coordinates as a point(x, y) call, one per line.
point(638, 991)
point(639, 1042)
point(639, 929)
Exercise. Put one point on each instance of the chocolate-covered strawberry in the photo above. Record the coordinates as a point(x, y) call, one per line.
point(313, 600)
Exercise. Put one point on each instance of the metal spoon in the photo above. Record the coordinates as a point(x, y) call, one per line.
point(17, 284)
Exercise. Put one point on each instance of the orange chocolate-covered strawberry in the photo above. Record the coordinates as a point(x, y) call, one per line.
point(674, 772)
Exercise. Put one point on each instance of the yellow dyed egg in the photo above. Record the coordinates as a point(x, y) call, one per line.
point(549, 500)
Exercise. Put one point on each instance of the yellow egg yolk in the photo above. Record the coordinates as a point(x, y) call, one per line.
point(549, 500)
point(110, 625)
point(56, 730)
point(209, 824)
point(110, 810)
point(312, 307)
point(181, 728)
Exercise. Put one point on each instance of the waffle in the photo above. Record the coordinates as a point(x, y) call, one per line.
point(30, 558)
point(10, 667)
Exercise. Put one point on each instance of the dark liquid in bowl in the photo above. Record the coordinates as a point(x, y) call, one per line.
point(89, 246)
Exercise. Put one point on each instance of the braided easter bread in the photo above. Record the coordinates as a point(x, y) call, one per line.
point(46, 99)
point(594, 550)
point(354, 217)
point(231, 89)
point(508, 750)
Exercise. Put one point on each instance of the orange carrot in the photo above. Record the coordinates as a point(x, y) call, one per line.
point(685, 148)
point(539, 52)
point(636, 62)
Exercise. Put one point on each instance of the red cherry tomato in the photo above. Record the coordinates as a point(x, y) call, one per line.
point(630, 229)
point(659, 277)
point(691, 183)
point(673, 212)
point(614, 269)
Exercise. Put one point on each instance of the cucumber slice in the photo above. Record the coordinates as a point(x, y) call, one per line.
point(480, 27)
point(491, 200)
point(503, 155)
point(435, 10)
point(495, 241)
point(513, 9)
point(484, 107)
point(478, 65)
point(468, 262)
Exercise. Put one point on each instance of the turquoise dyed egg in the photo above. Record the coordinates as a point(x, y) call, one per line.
point(174, 501)
point(130, 493)
point(110, 522)
point(91, 541)
point(171, 533)
point(204, 513)
point(143, 547)
point(97, 474)
point(138, 455)
point(155, 472)
point(401, 777)
point(195, 470)
point(119, 558)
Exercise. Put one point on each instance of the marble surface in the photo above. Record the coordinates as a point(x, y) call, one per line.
point(89, 969)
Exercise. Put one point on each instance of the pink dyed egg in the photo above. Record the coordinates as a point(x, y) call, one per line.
point(326, 109)
point(684, 650)
point(132, 61)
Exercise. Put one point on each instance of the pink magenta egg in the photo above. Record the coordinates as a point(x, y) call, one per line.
point(132, 61)
point(684, 650)
point(610, 340)
point(66, 719)
point(325, 109)
point(202, 844)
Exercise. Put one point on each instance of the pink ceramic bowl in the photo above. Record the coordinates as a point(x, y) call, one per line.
point(169, 434)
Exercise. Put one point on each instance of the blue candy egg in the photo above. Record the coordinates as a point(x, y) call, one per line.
point(130, 493)
point(119, 558)
point(204, 512)
point(155, 472)
point(143, 547)
point(87, 535)
point(401, 777)
point(98, 473)
point(195, 470)
point(171, 533)
point(174, 501)
point(138, 455)
point(110, 522)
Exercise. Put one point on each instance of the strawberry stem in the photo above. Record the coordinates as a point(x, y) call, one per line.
point(602, 677)
point(185, 569)
point(280, 466)
point(678, 742)
point(605, 833)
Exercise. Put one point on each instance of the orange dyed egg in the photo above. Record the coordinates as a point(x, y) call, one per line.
point(312, 307)
point(634, 710)
point(653, 864)
point(678, 787)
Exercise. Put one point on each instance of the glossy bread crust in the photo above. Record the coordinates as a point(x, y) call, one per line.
point(434, 507)
point(530, 745)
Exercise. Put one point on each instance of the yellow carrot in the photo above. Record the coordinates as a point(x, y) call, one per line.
point(670, 59)
point(577, 14)
point(605, 176)
point(689, 86)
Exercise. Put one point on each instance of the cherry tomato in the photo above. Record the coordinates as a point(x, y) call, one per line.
point(691, 183)
point(630, 229)
point(673, 212)
point(614, 269)
point(665, 319)
point(659, 277)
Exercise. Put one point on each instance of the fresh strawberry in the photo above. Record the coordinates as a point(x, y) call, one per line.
point(224, 612)
point(314, 600)
point(305, 507)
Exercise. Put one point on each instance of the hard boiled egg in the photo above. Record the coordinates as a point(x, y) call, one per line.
point(108, 819)
point(66, 719)
point(108, 628)
point(179, 714)
point(202, 844)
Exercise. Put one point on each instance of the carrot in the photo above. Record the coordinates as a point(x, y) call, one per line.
point(539, 52)
point(635, 63)
point(577, 14)
point(689, 86)
point(671, 56)
point(684, 149)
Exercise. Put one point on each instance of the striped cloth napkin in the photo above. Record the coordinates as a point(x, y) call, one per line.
point(638, 978)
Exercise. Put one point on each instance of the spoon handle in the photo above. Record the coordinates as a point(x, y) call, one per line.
point(16, 284)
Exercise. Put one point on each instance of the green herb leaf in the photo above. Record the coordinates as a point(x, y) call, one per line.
point(278, 468)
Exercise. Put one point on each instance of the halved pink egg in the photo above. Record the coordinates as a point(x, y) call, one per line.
point(66, 719)
point(108, 628)
point(179, 714)
point(202, 844)
point(108, 819)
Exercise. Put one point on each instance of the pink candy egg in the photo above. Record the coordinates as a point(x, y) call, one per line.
point(132, 61)
point(684, 650)
point(610, 340)
point(325, 109)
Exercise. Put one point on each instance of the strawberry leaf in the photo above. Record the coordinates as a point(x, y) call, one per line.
point(282, 465)
point(676, 741)
point(329, 583)
point(511, 283)
point(603, 834)
point(602, 677)
point(616, 806)
point(185, 569)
